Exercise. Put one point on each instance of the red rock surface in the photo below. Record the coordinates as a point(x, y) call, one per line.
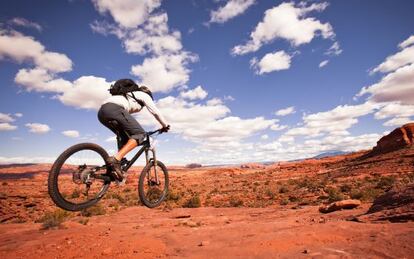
point(270, 212)
point(399, 138)
point(397, 205)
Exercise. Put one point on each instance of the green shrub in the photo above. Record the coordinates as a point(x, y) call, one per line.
point(75, 194)
point(334, 194)
point(193, 202)
point(235, 202)
point(93, 211)
point(385, 182)
point(54, 219)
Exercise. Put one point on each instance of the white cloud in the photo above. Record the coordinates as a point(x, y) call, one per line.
point(87, 92)
point(23, 48)
point(395, 110)
point(288, 22)
point(19, 21)
point(38, 128)
point(334, 122)
point(71, 133)
point(128, 13)
point(277, 127)
point(18, 114)
point(396, 86)
point(285, 111)
point(163, 73)
point(6, 117)
point(194, 94)
point(230, 10)
point(41, 80)
point(407, 42)
point(334, 50)
point(5, 126)
point(264, 137)
point(397, 121)
point(167, 67)
point(25, 160)
point(398, 60)
point(275, 61)
point(323, 63)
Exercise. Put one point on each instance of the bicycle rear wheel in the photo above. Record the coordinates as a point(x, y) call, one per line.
point(79, 177)
point(153, 184)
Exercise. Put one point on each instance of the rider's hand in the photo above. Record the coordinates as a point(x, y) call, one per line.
point(165, 129)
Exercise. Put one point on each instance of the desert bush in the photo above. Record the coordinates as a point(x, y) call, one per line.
point(284, 202)
point(385, 182)
point(356, 194)
point(83, 221)
point(334, 194)
point(117, 196)
point(193, 202)
point(235, 202)
point(283, 189)
point(54, 219)
point(4, 183)
point(173, 195)
point(93, 211)
point(270, 193)
point(345, 188)
point(75, 194)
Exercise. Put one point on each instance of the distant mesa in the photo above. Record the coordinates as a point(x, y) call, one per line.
point(193, 165)
point(330, 153)
point(399, 138)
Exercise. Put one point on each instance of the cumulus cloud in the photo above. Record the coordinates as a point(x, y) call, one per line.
point(230, 10)
point(275, 61)
point(398, 60)
point(196, 93)
point(165, 72)
point(21, 48)
point(18, 114)
point(289, 22)
point(166, 67)
point(323, 63)
point(19, 21)
point(409, 41)
point(71, 133)
point(38, 128)
point(333, 122)
point(41, 80)
point(285, 111)
point(5, 126)
point(6, 117)
point(395, 86)
point(87, 92)
point(128, 13)
point(396, 113)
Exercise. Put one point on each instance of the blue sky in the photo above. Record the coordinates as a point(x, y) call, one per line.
point(238, 80)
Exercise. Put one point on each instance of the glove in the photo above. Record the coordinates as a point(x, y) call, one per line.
point(165, 129)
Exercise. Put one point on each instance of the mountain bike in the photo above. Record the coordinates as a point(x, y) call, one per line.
point(81, 175)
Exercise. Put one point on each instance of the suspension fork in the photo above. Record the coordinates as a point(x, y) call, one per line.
point(148, 160)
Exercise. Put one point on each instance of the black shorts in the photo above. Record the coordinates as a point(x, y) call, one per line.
point(128, 125)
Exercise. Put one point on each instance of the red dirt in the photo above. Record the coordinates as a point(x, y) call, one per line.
point(251, 213)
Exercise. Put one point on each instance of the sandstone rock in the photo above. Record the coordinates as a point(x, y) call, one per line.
point(399, 138)
point(396, 205)
point(339, 205)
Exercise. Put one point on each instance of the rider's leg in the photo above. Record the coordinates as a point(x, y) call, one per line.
point(130, 145)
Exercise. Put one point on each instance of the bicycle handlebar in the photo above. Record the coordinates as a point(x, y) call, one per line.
point(159, 131)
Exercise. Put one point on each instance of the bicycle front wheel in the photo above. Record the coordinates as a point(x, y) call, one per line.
point(153, 184)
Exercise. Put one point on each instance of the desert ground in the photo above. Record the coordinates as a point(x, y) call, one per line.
point(247, 211)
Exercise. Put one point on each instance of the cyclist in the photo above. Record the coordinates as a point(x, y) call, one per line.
point(119, 108)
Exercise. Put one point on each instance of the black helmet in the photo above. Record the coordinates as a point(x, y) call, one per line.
point(145, 89)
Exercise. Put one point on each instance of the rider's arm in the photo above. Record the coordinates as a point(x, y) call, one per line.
point(149, 103)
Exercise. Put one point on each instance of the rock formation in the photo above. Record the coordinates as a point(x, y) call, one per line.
point(399, 138)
